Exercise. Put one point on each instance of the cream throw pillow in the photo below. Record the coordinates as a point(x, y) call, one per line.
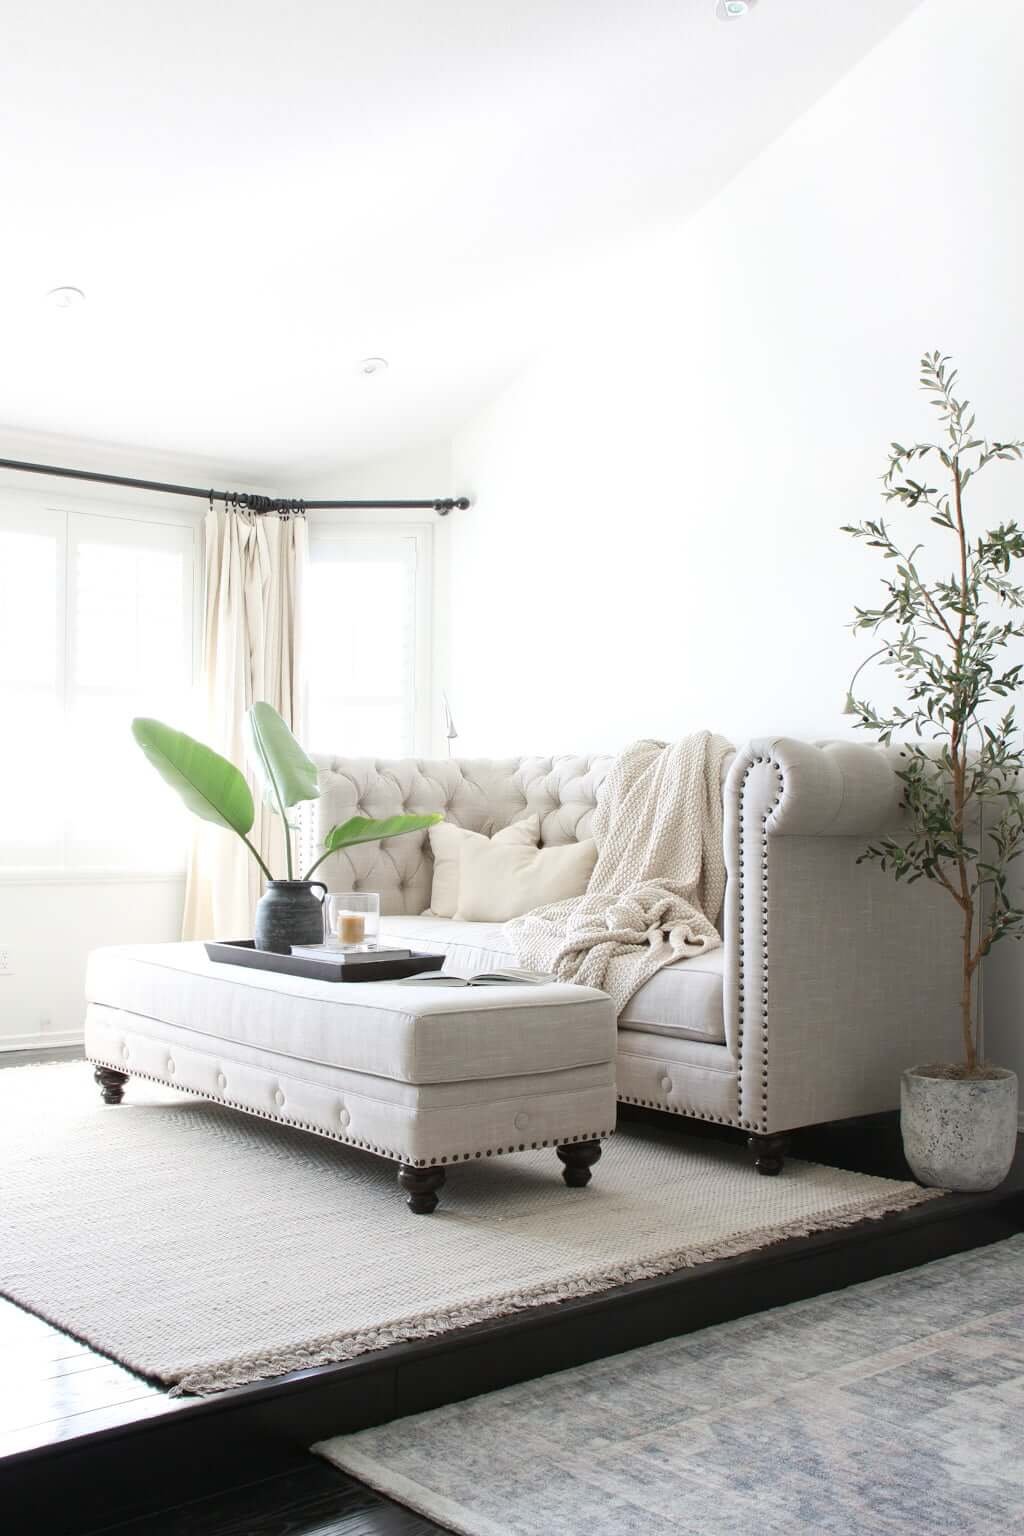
point(497, 881)
point(446, 844)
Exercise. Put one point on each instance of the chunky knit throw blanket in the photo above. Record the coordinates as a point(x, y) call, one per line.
point(659, 879)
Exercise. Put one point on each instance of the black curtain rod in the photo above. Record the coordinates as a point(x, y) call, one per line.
point(442, 505)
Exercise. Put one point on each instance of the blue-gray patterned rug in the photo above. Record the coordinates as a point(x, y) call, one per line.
point(894, 1408)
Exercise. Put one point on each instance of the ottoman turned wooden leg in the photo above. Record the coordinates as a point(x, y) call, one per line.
point(111, 1083)
point(421, 1186)
point(769, 1153)
point(579, 1157)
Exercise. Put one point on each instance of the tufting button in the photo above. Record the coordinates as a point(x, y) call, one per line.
point(170, 1065)
point(279, 1098)
point(222, 1081)
point(666, 1085)
point(521, 1121)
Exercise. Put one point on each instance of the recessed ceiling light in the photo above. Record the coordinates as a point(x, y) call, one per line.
point(732, 10)
point(373, 365)
point(65, 298)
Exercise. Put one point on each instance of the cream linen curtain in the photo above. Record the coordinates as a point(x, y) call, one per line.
point(254, 577)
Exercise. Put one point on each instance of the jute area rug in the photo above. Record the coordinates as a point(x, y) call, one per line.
point(205, 1248)
point(889, 1409)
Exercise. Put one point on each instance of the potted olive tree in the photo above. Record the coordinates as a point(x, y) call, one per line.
point(949, 621)
point(213, 788)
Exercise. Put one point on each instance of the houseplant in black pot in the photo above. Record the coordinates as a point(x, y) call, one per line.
point(213, 788)
point(949, 637)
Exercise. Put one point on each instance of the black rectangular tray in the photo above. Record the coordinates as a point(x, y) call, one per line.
point(244, 952)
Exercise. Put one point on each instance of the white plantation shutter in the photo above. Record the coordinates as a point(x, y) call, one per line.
point(31, 689)
point(113, 637)
point(130, 637)
point(361, 653)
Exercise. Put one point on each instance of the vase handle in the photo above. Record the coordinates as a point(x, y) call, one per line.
point(323, 904)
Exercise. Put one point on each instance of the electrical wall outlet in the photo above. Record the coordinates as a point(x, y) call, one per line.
point(5, 961)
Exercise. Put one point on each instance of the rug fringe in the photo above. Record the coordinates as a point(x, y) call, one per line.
point(241, 1371)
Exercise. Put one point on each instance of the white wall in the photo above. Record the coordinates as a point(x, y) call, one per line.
point(48, 930)
point(653, 544)
point(418, 474)
point(49, 923)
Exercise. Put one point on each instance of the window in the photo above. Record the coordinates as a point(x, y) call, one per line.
point(96, 626)
point(367, 640)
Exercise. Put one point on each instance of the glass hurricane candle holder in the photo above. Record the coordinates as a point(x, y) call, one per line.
point(353, 919)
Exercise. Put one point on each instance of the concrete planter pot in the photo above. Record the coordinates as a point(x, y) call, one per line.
point(959, 1133)
point(289, 913)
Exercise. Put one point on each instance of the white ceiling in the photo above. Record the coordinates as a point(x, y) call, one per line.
point(254, 196)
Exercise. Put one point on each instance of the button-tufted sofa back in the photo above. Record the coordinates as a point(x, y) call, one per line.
point(482, 794)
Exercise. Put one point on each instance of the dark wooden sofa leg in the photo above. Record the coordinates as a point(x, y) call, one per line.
point(769, 1152)
point(579, 1157)
point(111, 1084)
point(421, 1186)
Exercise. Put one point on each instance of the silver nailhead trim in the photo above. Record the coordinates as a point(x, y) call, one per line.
point(762, 1124)
point(353, 1141)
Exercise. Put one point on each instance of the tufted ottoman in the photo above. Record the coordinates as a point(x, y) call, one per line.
point(426, 1076)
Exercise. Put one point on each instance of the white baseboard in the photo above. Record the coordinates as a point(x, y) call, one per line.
point(42, 1040)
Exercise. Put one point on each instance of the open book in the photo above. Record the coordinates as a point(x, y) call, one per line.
point(481, 979)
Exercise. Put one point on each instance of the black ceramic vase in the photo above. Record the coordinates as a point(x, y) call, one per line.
point(288, 913)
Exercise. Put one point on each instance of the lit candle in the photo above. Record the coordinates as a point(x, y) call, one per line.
point(351, 927)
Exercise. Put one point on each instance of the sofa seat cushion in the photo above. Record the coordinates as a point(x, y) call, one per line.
point(685, 1000)
point(385, 1029)
point(467, 947)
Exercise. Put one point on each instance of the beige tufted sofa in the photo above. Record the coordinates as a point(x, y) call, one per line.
point(830, 979)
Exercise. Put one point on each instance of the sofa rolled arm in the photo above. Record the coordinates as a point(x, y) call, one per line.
point(830, 971)
point(828, 789)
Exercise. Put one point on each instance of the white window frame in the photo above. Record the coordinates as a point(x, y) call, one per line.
point(34, 512)
point(325, 527)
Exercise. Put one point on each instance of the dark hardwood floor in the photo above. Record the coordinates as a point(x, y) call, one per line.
point(35, 1058)
point(55, 1388)
point(88, 1446)
point(313, 1500)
